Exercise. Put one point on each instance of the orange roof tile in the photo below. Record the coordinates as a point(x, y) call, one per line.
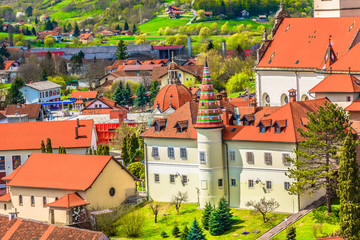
point(12, 175)
point(7, 64)
point(349, 60)
point(32, 110)
point(5, 198)
point(28, 135)
point(174, 95)
point(68, 201)
point(60, 171)
point(338, 83)
point(354, 106)
point(303, 42)
point(84, 94)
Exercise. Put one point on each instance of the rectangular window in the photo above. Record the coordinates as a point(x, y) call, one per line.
point(232, 155)
point(157, 178)
point(155, 152)
point(233, 182)
point(285, 156)
point(251, 183)
point(183, 153)
point(96, 105)
point(2, 162)
point(250, 157)
point(171, 152)
point(16, 161)
point(172, 178)
point(184, 179)
point(286, 185)
point(348, 98)
point(220, 183)
point(202, 157)
point(268, 185)
point(268, 158)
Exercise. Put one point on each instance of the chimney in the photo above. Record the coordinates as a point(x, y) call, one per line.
point(225, 116)
point(76, 132)
point(292, 95)
point(77, 122)
point(224, 48)
point(189, 46)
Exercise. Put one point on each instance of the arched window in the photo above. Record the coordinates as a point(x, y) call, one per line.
point(44, 200)
point(20, 200)
point(284, 99)
point(32, 201)
point(304, 97)
point(266, 99)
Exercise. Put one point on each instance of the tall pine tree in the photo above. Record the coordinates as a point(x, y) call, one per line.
point(220, 219)
point(317, 155)
point(206, 215)
point(121, 51)
point(127, 95)
point(118, 95)
point(154, 90)
point(14, 95)
point(126, 26)
point(124, 150)
point(43, 149)
point(141, 97)
point(48, 146)
point(195, 232)
point(348, 189)
point(76, 32)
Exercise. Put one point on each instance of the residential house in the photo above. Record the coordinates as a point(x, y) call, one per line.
point(25, 112)
point(45, 18)
point(83, 95)
point(126, 33)
point(9, 73)
point(173, 8)
point(18, 228)
point(174, 14)
point(56, 35)
point(208, 14)
point(107, 80)
point(25, 138)
point(57, 188)
point(185, 73)
point(44, 91)
point(86, 38)
point(101, 105)
point(107, 33)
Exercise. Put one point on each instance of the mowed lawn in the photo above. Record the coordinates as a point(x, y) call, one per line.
point(316, 224)
point(163, 21)
point(243, 221)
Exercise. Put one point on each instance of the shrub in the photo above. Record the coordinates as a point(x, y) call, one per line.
point(132, 223)
point(164, 234)
point(291, 233)
point(175, 231)
point(184, 233)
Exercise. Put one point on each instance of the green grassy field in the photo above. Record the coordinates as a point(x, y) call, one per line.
point(164, 21)
point(233, 23)
point(324, 224)
point(244, 221)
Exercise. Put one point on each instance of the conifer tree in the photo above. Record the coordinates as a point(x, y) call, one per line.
point(154, 90)
point(48, 146)
point(133, 146)
point(124, 151)
point(48, 25)
point(4, 52)
point(141, 97)
point(43, 150)
point(76, 32)
point(118, 27)
point(316, 160)
point(195, 232)
point(134, 29)
point(2, 63)
point(63, 150)
point(118, 95)
point(126, 26)
point(348, 189)
point(121, 51)
point(175, 231)
point(36, 20)
point(14, 95)
point(291, 233)
point(215, 226)
point(90, 152)
point(184, 233)
point(220, 219)
point(127, 94)
point(206, 215)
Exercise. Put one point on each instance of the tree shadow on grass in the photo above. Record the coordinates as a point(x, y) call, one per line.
point(236, 225)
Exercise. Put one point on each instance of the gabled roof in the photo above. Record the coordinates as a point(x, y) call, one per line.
point(111, 106)
point(5, 198)
point(19, 228)
point(338, 83)
point(86, 36)
point(44, 85)
point(354, 106)
point(195, 70)
point(8, 63)
point(11, 175)
point(60, 171)
point(32, 110)
point(149, 67)
point(84, 94)
point(68, 201)
point(28, 135)
point(303, 42)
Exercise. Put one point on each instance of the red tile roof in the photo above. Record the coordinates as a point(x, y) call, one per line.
point(28, 135)
point(19, 228)
point(338, 83)
point(60, 171)
point(354, 106)
point(32, 110)
point(111, 105)
point(175, 95)
point(7, 64)
point(84, 94)
point(140, 67)
point(86, 36)
point(5, 198)
point(12, 175)
point(168, 47)
point(68, 201)
point(303, 42)
point(195, 70)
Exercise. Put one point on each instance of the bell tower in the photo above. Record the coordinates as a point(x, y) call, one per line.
point(336, 8)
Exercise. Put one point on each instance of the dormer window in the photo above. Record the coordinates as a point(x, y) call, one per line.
point(262, 128)
point(157, 127)
point(181, 126)
point(264, 125)
point(159, 124)
point(279, 125)
point(277, 128)
point(247, 120)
